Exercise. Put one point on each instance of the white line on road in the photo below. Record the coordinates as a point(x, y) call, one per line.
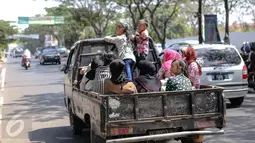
point(3, 78)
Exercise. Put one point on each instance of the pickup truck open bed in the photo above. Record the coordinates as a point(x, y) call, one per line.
point(149, 116)
point(138, 117)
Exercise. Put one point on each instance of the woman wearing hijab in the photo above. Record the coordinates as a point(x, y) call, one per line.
point(169, 56)
point(147, 80)
point(118, 84)
point(124, 48)
point(194, 69)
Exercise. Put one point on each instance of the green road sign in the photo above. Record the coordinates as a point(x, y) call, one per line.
point(45, 20)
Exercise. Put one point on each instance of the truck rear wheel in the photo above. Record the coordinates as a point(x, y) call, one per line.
point(236, 101)
point(76, 123)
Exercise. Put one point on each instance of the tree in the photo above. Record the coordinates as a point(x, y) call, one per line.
point(229, 5)
point(97, 13)
point(160, 13)
point(136, 10)
point(5, 30)
point(71, 30)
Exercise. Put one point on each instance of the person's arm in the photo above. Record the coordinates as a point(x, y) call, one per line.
point(114, 39)
point(161, 73)
point(192, 73)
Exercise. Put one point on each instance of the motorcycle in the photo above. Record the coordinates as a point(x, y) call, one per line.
point(26, 62)
point(251, 77)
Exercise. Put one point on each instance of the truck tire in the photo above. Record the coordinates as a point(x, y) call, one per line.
point(76, 123)
point(236, 101)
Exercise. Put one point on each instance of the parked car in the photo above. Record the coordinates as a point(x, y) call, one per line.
point(222, 65)
point(50, 56)
point(63, 51)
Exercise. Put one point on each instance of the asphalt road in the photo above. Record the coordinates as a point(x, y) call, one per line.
point(35, 98)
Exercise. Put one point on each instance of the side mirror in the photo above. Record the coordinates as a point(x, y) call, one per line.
point(63, 67)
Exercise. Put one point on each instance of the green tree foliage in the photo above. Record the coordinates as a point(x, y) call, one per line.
point(95, 13)
point(5, 30)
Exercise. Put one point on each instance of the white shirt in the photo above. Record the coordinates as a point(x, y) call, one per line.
point(124, 47)
point(27, 53)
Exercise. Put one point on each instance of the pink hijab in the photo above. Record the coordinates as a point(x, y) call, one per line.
point(169, 56)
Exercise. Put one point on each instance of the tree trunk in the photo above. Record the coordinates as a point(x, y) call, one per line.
point(163, 43)
point(200, 38)
point(226, 38)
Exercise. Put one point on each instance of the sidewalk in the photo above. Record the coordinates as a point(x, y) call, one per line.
point(2, 60)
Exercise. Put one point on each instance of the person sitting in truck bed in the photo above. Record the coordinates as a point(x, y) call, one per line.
point(103, 72)
point(118, 83)
point(88, 79)
point(165, 71)
point(180, 81)
point(147, 81)
point(194, 68)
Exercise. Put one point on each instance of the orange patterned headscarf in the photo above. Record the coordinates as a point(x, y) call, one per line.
point(190, 55)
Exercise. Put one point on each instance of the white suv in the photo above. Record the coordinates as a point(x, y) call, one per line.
point(223, 66)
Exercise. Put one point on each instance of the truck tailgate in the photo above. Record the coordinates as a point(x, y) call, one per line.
point(138, 113)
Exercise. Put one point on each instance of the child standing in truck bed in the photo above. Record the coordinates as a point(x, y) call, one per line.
point(141, 39)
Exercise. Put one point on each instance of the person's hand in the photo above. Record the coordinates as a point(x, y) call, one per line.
point(137, 33)
point(82, 71)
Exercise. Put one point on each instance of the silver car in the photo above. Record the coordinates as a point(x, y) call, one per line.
point(223, 66)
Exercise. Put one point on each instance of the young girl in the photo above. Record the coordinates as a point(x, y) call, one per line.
point(180, 81)
point(124, 48)
point(142, 42)
point(194, 69)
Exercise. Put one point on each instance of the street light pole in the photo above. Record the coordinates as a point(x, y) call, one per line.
point(200, 37)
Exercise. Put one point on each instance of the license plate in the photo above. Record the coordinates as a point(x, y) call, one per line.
point(205, 124)
point(220, 77)
point(158, 132)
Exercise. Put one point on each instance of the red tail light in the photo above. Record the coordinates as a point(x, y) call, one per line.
point(58, 54)
point(245, 72)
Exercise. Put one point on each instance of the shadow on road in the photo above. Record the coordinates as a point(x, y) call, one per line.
point(12, 85)
point(42, 107)
point(240, 124)
point(55, 135)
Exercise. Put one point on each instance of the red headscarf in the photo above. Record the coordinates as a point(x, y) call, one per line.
point(190, 55)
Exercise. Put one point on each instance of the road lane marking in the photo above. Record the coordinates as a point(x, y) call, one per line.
point(3, 78)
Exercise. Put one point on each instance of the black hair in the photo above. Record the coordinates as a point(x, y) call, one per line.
point(117, 71)
point(252, 46)
point(107, 58)
point(146, 68)
point(95, 63)
point(184, 66)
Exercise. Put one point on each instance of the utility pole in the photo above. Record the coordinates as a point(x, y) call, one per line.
point(200, 37)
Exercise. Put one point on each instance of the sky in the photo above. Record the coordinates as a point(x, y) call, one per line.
point(10, 10)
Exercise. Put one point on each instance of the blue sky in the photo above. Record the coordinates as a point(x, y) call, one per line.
point(10, 10)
